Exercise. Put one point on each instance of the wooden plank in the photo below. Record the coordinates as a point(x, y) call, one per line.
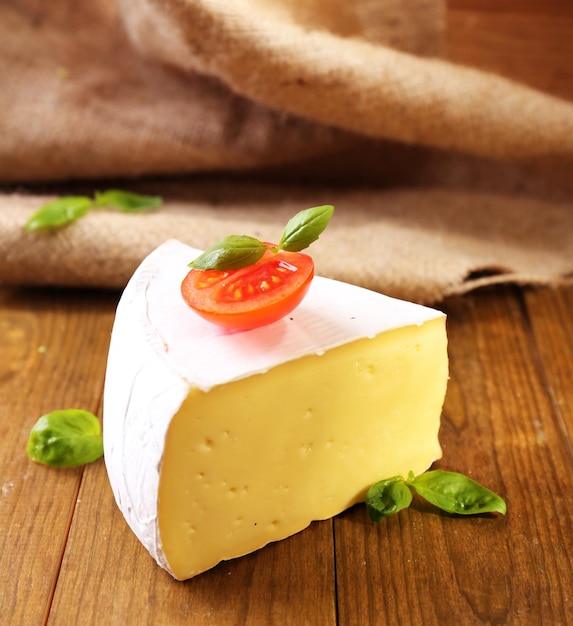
point(551, 313)
point(52, 347)
point(526, 41)
point(500, 427)
point(108, 577)
point(289, 582)
point(506, 419)
point(545, 7)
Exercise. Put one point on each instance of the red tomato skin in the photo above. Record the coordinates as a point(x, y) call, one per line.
point(210, 293)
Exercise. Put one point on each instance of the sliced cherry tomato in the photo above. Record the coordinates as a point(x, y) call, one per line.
point(251, 296)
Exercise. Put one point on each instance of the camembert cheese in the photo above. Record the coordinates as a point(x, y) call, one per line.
point(218, 442)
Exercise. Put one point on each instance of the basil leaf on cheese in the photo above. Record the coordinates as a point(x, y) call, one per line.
point(231, 253)
point(305, 228)
point(236, 251)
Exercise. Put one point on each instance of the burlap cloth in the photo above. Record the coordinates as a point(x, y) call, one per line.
point(241, 113)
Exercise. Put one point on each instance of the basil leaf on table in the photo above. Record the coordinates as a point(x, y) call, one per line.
point(387, 497)
point(231, 253)
point(456, 493)
point(449, 491)
point(59, 213)
point(305, 228)
point(65, 438)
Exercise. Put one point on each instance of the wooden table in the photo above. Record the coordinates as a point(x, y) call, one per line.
point(68, 557)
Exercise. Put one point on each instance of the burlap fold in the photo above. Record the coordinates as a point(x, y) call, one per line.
point(453, 177)
point(419, 245)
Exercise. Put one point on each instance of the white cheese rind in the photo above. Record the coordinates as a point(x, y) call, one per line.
point(160, 349)
point(331, 314)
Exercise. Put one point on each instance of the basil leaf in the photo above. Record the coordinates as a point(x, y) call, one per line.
point(456, 493)
point(231, 253)
point(387, 497)
point(305, 227)
point(126, 201)
point(65, 438)
point(59, 212)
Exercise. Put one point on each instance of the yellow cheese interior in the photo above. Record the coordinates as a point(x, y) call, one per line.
point(258, 459)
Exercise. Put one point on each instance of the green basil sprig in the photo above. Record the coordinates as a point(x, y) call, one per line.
point(231, 253)
point(65, 438)
point(305, 228)
point(59, 213)
point(236, 251)
point(68, 209)
point(126, 201)
point(387, 497)
point(449, 491)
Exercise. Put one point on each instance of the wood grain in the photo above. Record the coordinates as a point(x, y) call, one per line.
point(552, 326)
point(500, 426)
point(526, 40)
point(290, 582)
point(53, 346)
point(68, 557)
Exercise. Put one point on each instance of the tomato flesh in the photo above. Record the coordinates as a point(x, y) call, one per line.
point(252, 296)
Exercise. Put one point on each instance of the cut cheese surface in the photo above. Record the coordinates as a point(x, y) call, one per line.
point(217, 443)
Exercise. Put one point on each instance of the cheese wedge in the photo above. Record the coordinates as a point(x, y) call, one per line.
point(217, 442)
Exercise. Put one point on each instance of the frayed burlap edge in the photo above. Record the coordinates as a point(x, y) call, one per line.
point(421, 245)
